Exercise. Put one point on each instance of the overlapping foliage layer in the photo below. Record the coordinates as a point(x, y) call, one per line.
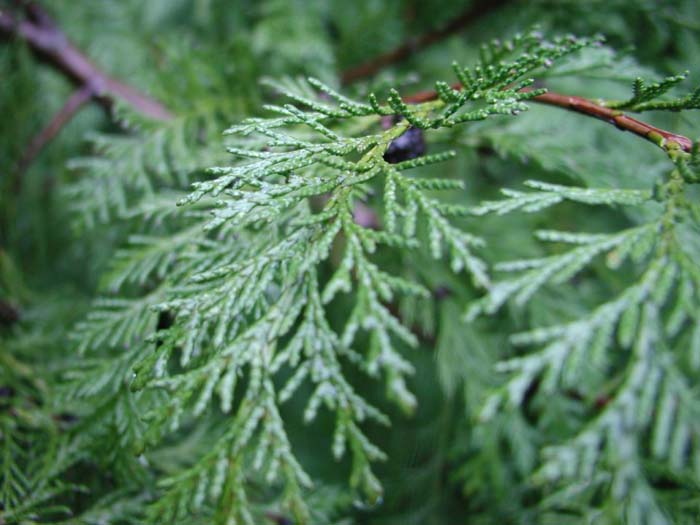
point(502, 330)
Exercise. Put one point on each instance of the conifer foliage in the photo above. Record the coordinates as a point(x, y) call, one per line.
point(441, 300)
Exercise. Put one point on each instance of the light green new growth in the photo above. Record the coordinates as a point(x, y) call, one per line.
point(219, 326)
point(244, 290)
point(653, 322)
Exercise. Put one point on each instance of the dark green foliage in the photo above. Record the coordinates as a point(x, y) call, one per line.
point(294, 323)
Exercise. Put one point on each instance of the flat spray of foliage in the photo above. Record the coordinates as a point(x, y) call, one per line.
point(274, 314)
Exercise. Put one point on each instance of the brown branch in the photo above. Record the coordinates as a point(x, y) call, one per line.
point(52, 45)
point(408, 48)
point(664, 139)
point(44, 38)
point(70, 108)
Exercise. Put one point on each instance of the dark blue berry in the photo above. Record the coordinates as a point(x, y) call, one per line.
point(408, 146)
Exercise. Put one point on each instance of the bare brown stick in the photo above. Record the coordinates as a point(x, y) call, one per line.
point(72, 105)
point(49, 43)
point(45, 39)
point(664, 139)
point(475, 11)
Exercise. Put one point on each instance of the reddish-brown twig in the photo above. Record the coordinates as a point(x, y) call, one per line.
point(51, 44)
point(44, 38)
point(662, 138)
point(70, 108)
point(410, 47)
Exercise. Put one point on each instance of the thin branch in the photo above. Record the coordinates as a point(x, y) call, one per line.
point(70, 108)
point(42, 35)
point(662, 138)
point(52, 45)
point(410, 47)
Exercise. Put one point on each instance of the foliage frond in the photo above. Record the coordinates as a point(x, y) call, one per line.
point(646, 96)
